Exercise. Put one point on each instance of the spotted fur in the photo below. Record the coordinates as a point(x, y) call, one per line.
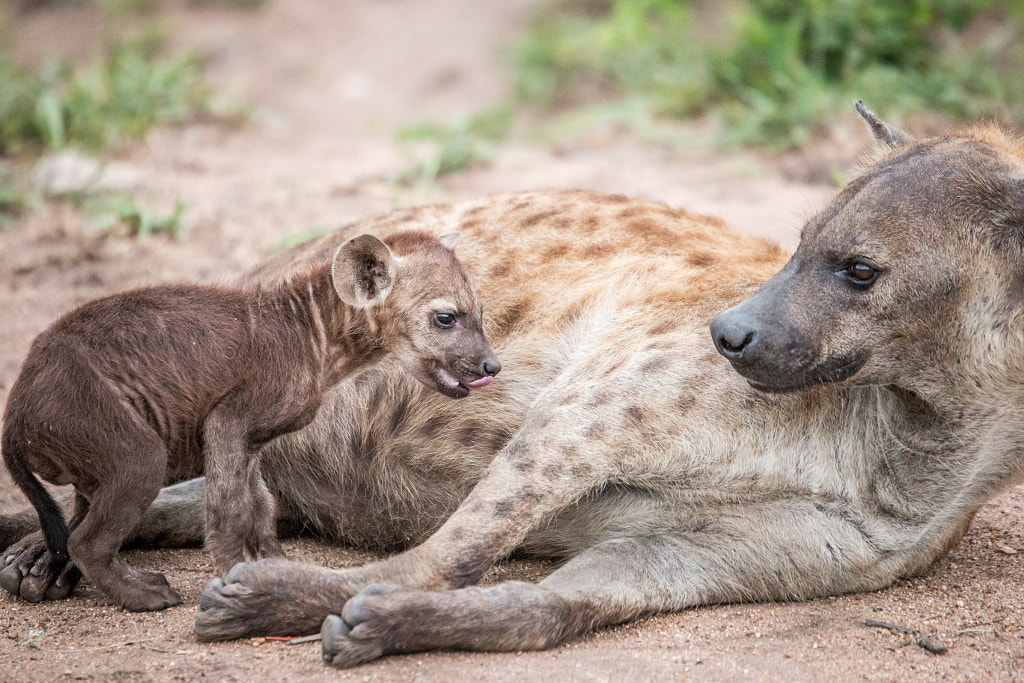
point(620, 442)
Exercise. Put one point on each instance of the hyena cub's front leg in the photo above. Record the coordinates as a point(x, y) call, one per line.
point(240, 509)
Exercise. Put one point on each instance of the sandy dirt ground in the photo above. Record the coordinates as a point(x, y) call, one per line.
point(332, 81)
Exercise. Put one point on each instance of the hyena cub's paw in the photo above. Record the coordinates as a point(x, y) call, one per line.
point(151, 593)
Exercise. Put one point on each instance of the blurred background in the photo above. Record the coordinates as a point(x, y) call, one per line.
point(396, 97)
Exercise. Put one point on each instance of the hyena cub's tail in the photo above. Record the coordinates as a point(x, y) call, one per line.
point(55, 529)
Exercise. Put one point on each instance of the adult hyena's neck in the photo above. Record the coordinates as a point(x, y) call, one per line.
point(932, 469)
point(927, 466)
point(337, 337)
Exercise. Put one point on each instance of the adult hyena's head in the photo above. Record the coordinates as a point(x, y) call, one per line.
point(425, 305)
point(904, 279)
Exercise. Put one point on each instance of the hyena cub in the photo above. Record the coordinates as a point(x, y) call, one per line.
point(139, 389)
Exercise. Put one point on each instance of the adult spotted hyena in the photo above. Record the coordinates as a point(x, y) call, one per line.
point(836, 431)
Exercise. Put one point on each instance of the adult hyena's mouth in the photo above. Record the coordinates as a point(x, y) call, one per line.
point(831, 371)
point(450, 385)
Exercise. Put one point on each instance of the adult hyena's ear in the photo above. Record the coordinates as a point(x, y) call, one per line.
point(883, 132)
point(449, 240)
point(363, 271)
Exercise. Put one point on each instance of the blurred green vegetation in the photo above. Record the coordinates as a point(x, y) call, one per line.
point(778, 69)
point(126, 89)
point(114, 211)
point(119, 97)
point(294, 239)
point(456, 145)
point(13, 201)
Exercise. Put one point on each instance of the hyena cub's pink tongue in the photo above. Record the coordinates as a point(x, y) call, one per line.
point(477, 383)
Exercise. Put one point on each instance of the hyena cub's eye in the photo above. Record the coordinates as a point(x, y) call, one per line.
point(444, 320)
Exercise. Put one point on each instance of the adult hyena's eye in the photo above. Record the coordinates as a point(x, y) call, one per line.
point(444, 320)
point(862, 273)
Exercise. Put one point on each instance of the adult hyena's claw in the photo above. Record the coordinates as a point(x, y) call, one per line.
point(234, 573)
point(10, 579)
point(265, 598)
point(229, 610)
point(31, 572)
point(342, 651)
point(65, 583)
point(360, 634)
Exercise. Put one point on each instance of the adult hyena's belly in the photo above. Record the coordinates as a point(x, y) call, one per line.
point(387, 461)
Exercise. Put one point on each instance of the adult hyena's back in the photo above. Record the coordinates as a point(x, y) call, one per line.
point(560, 273)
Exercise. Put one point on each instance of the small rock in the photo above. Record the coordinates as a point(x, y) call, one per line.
point(257, 641)
point(1006, 550)
point(71, 172)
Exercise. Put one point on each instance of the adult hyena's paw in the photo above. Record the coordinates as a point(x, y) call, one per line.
point(29, 570)
point(266, 598)
point(361, 634)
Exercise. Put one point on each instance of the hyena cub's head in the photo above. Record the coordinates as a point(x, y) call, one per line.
point(426, 306)
point(914, 267)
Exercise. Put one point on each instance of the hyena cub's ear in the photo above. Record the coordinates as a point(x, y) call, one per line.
point(883, 132)
point(364, 271)
point(448, 241)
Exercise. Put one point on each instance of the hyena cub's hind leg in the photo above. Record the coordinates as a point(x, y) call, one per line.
point(115, 508)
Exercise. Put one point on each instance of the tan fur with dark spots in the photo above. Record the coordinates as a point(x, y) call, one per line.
point(619, 441)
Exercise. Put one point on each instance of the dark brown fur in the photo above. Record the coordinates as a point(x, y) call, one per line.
point(135, 391)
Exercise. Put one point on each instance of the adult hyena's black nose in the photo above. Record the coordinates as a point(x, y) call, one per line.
point(734, 336)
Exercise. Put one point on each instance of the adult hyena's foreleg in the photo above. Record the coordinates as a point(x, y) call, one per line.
point(777, 551)
point(607, 584)
point(783, 550)
point(517, 492)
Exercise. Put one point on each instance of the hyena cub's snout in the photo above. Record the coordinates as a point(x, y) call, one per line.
point(483, 365)
point(466, 360)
